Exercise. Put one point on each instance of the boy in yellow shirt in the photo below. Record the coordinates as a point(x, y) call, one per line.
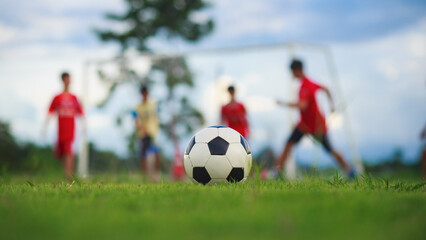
point(147, 127)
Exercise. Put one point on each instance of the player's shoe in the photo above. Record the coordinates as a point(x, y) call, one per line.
point(352, 174)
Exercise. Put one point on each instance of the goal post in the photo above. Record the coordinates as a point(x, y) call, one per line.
point(83, 155)
point(291, 48)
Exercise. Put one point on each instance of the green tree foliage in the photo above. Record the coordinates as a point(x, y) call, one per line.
point(186, 117)
point(15, 156)
point(31, 158)
point(105, 161)
point(145, 19)
point(9, 148)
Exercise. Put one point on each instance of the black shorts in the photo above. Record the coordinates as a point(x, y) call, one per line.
point(322, 138)
point(146, 145)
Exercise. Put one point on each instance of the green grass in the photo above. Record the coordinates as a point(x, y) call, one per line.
point(126, 207)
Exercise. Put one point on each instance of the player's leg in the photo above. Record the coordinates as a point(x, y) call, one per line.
point(69, 164)
point(155, 159)
point(58, 152)
point(151, 153)
point(294, 138)
point(157, 164)
point(284, 155)
point(60, 155)
point(68, 158)
point(144, 164)
point(143, 154)
point(339, 158)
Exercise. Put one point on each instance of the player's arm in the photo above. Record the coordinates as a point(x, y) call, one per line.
point(135, 118)
point(330, 98)
point(49, 116)
point(302, 105)
point(46, 126)
point(82, 118)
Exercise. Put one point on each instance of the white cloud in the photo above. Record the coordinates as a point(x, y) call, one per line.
point(55, 21)
point(7, 34)
point(59, 6)
point(417, 44)
point(387, 82)
point(388, 68)
point(251, 17)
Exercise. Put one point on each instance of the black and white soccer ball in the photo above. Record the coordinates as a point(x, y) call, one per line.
point(217, 154)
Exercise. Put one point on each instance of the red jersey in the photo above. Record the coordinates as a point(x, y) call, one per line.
point(311, 119)
point(234, 116)
point(67, 107)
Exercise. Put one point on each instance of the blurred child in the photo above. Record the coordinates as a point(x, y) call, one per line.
point(234, 115)
point(147, 127)
point(312, 122)
point(66, 106)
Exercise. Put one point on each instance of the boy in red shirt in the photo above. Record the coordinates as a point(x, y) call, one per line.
point(66, 106)
point(311, 122)
point(234, 115)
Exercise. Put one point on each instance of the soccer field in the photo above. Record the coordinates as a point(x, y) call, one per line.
point(367, 208)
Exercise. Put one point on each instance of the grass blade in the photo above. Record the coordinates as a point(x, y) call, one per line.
point(76, 179)
point(30, 183)
point(417, 186)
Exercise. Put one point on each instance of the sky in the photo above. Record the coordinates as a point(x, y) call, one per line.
point(379, 48)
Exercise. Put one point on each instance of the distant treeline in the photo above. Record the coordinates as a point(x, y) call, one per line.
point(16, 156)
point(31, 158)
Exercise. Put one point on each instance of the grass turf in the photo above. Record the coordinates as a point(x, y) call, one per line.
point(368, 208)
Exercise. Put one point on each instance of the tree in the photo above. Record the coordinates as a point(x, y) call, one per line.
point(11, 156)
point(147, 19)
point(18, 156)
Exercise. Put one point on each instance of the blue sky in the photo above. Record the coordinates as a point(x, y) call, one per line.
point(328, 21)
point(316, 21)
point(379, 47)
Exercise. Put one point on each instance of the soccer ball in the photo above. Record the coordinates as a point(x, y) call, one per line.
point(217, 154)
